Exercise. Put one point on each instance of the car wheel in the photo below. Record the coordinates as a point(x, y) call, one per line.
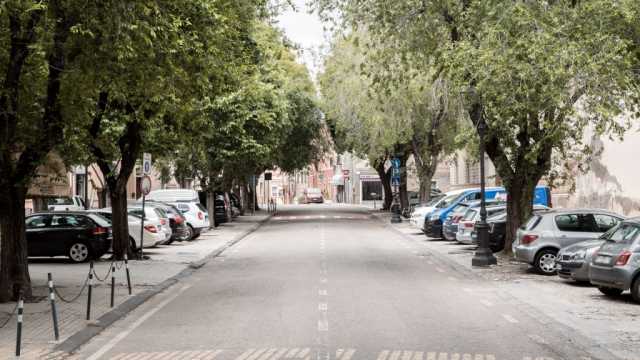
point(635, 289)
point(79, 252)
point(546, 261)
point(610, 291)
point(196, 233)
point(132, 244)
point(190, 233)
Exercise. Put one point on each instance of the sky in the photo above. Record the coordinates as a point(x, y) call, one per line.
point(306, 30)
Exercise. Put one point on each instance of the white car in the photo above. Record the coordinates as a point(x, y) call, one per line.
point(65, 203)
point(152, 237)
point(420, 213)
point(154, 219)
point(196, 215)
point(174, 195)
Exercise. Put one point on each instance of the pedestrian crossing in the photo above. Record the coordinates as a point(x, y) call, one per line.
point(320, 217)
point(309, 354)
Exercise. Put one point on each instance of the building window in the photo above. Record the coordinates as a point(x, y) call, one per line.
point(81, 180)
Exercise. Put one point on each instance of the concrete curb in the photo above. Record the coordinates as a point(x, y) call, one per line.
point(75, 341)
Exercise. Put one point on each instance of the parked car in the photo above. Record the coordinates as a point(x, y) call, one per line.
point(467, 233)
point(544, 234)
point(498, 228)
point(450, 226)
point(433, 221)
point(313, 195)
point(79, 236)
point(151, 236)
point(420, 212)
point(615, 266)
point(179, 229)
point(235, 204)
point(414, 201)
point(574, 261)
point(196, 216)
point(173, 195)
point(65, 203)
point(155, 219)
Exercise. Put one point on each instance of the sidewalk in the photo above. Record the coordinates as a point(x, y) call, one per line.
point(605, 323)
point(165, 266)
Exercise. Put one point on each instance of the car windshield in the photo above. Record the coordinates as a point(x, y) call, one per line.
point(60, 201)
point(199, 206)
point(624, 234)
point(448, 200)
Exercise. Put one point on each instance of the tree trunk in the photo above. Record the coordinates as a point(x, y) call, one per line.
point(402, 189)
point(519, 207)
point(14, 268)
point(119, 222)
point(385, 179)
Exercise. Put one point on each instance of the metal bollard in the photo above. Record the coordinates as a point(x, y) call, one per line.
point(54, 314)
point(113, 283)
point(90, 290)
point(19, 329)
point(126, 268)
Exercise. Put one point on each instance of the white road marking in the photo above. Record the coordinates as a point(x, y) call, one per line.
point(303, 353)
point(467, 290)
point(268, 354)
point(322, 292)
point(292, 353)
point(324, 280)
point(307, 217)
point(486, 303)
point(257, 353)
point(279, 354)
point(431, 356)
point(323, 325)
point(323, 306)
point(113, 342)
point(407, 355)
point(348, 355)
point(292, 217)
point(383, 355)
point(439, 270)
point(510, 318)
point(395, 355)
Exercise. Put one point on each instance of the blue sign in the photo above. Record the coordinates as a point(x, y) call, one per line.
point(395, 163)
point(395, 181)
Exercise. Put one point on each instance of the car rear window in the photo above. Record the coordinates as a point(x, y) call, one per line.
point(625, 234)
point(161, 213)
point(532, 222)
point(100, 220)
point(469, 215)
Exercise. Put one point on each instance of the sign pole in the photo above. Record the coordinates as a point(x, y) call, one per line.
point(142, 228)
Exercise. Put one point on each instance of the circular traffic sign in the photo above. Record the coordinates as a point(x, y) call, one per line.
point(146, 185)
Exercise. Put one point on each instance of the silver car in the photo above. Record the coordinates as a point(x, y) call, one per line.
point(573, 262)
point(615, 266)
point(544, 234)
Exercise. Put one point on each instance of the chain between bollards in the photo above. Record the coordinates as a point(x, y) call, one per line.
point(19, 328)
point(90, 290)
point(54, 314)
point(113, 283)
point(126, 268)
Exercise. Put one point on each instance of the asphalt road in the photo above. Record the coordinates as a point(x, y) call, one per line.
point(331, 282)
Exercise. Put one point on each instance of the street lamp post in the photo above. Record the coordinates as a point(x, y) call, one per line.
point(395, 179)
point(483, 255)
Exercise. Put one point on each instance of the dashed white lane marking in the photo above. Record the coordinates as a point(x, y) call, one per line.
point(324, 280)
point(467, 290)
point(323, 325)
point(323, 306)
point(439, 270)
point(419, 355)
point(510, 318)
point(486, 303)
point(292, 217)
point(452, 278)
point(307, 217)
point(113, 342)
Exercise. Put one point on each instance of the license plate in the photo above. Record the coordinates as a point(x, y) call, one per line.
point(601, 259)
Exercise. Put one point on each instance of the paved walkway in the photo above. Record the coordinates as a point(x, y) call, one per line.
point(164, 263)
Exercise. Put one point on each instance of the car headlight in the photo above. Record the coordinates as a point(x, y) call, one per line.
point(579, 255)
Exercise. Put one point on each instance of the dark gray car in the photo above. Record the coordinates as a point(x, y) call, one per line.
point(573, 262)
point(615, 266)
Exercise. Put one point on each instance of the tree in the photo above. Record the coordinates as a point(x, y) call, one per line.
point(37, 50)
point(539, 73)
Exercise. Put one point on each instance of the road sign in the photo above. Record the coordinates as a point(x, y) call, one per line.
point(395, 181)
point(395, 163)
point(146, 185)
point(146, 163)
